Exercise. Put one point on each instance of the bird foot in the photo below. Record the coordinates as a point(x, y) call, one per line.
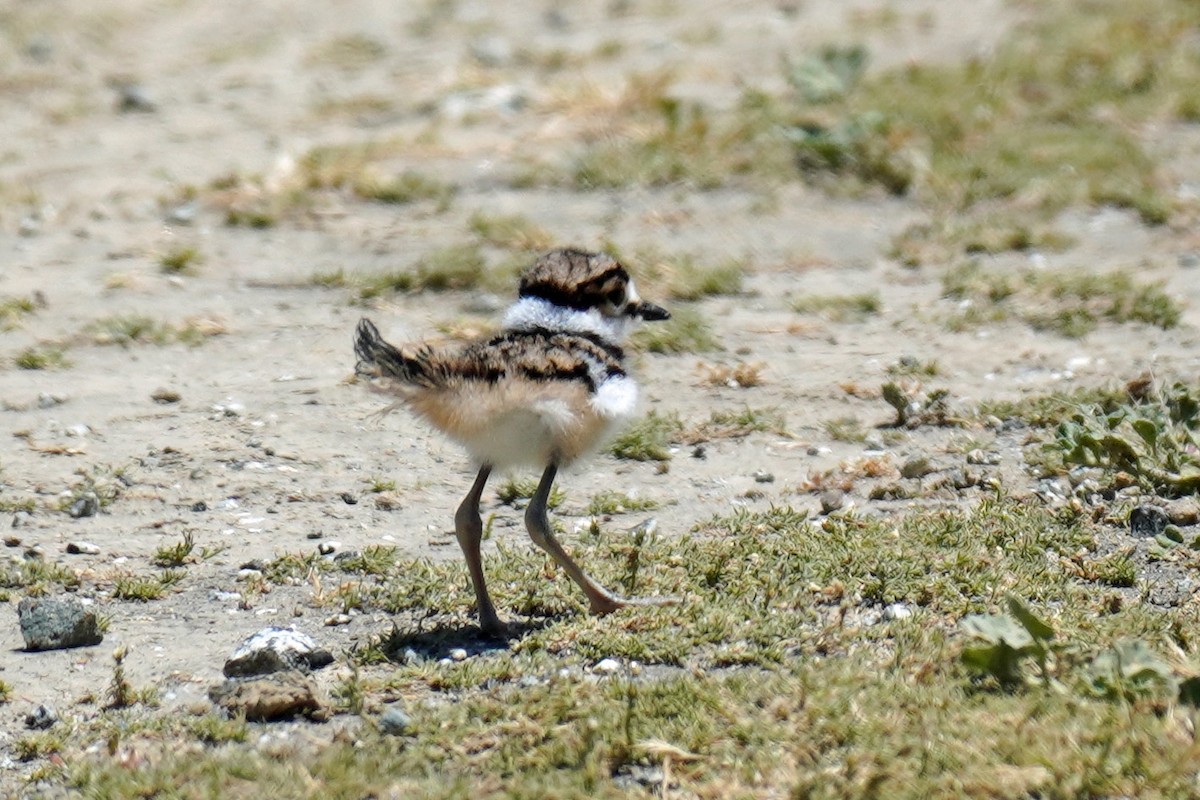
point(606, 604)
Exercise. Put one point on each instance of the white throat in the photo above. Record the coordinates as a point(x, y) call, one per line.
point(529, 313)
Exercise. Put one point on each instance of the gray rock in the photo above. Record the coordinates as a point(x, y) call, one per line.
point(132, 97)
point(86, 505)
point(762, 476)
point(1147, 521)
point(276, 650)
point(832, 500)
point(55, 624)
point(83, 548)
point(458, 654)
point(916, 467)
point(896, 611)
point(394, 722)
point(41, 718)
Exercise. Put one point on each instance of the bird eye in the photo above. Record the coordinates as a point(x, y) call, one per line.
point(616, 296)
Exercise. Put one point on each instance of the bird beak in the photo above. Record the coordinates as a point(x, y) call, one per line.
point(649, 311)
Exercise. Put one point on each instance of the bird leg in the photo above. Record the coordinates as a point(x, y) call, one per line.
point(601, 600)
point(469, 529)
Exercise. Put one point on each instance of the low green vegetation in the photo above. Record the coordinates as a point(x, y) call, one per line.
point(687, 331)
point(1154, 442)
point(455, 267)
point(143, 588)
point(1070, 303)
point(42, 357)
point(649, 438)
point(516, 491)
point(1037, 680)
point(180, 261)
point(177, 554)
point(511, 232)
point(657, 139)
point(131, 329)
point(613, 502)
point(840, 308)
point(14, 309)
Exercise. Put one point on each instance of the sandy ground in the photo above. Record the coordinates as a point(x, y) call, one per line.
point(269, 434)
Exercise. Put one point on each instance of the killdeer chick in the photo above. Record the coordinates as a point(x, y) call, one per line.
point(543, 392)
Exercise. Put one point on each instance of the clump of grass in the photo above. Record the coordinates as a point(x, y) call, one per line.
point(519, 490)
point(908, 366)
point(175, 555)
point(648, 438)
point(735, 424)
point(614, 502)
point(840, 308)
point(680, 275)
point(687, 331)
point(352, 52)
point(42, 357)
point(510, 231)
point(180, 261)
point(982, 233)
point(129, 329)
point(655, 139)
point(143, 588)
point(13, 309)
point(407, 187)
point(36, 577)
point(846, 429)
point(450, 268)
point(1071, 303)
point(378, 485)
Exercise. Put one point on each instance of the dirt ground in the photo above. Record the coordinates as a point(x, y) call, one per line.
point(268, 432)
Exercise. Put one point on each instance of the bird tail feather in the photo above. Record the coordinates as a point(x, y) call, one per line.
point(378, 359)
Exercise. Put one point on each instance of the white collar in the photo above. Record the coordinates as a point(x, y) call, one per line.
point(530, 313)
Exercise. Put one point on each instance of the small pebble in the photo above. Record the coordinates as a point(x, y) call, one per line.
point(763, 477)
point(897, 611)
point(458, 654)
point(47, 400)
point(164, 395)
point(349, 499)
point(21, 519)
point(199, 506)
point(978, 456)
point(132, 97)
point(326, 548)
point(607, 666)
point(12, 541)
point(394, 722)
point(337, 619)
point(83, 548)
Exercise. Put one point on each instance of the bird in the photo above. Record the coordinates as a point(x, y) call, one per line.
point(546, 390)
